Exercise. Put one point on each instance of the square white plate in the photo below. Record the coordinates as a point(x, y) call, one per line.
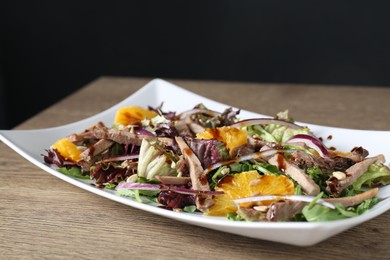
point(31, 144)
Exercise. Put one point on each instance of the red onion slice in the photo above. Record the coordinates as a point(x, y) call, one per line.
point(163, 187)
point(311, 142)
point(197, 111)
point(182, 190)
point(121, 158)
point(141, 186)
point(143, 132)
point(284, 197)
point(265, 121)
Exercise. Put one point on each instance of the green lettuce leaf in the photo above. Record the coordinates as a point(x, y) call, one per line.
point(376, 175)
point(73, 172)
point(275, 133)
point(315, 212)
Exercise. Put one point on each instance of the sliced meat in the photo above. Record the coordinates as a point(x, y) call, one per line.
point(354, 200)
point(95, 149)
point(182, 128)
point(86, 134)
point(241, 151)
point(173, 180)
point(119, 136)
point(182, 168)
point(125, 137)
point(336, 185)
point(284, 210)
point(195, 128)
point(358, 154)
point(198, 178)
point(307, 183)
point(327, 165)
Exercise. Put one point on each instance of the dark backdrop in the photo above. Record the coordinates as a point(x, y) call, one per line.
point(49, 49)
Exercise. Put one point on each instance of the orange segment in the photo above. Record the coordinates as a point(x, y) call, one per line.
point(132, 115)
point(67, 149)
point(231, 136)
point(247, 184)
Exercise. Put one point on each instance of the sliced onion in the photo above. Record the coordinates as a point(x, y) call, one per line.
point(194, 192)
point(121, 158)
point(311, 142)
point(265, 121)
point(163, 187)
point(141, 186)
point(198, 111)
point(263, 154)
point(284, 197)
point(143, 132)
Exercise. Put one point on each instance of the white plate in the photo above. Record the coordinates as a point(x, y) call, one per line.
point(31, 144)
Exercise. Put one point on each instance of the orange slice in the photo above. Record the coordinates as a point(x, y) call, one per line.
point(67, 149)
point(231, 136)
point(131, 115)
point(247, 184)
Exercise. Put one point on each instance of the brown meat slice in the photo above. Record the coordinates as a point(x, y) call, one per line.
point(358, 154)
point(195, 128)
point(125, 137)
point(308, 185)
point(86, 134)
point(327, 165)
point(95, 149)
point(335, 186)
point(198, 179)
point(183, 128)
point(354, 200)
point(119, 136)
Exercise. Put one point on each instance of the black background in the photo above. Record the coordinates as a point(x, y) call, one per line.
point(49, 49)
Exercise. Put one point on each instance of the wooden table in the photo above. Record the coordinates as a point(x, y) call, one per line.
point(42, 216)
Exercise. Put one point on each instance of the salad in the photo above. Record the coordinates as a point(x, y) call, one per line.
point(213, 162)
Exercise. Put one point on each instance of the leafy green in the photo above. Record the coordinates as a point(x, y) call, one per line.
point(318, 177)
point(190, 208)
point(136, 194)
point(234, 217)
point(266, 168)
point(314, 212)
point(275, 133)
point(241, 167)
point(377, 174)
point(298, 190)
point(110, 186)
point(73, 172)
point(218, 175)
point(366, 205)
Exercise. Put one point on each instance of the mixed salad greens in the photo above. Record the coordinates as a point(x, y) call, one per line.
point(200, 160)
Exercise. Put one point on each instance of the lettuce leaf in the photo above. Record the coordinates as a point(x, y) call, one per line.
point(376, 175)
point(275, 133)
point(73, 172)
point(315, 212)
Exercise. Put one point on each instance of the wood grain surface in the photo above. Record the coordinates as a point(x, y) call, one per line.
point(43, 217)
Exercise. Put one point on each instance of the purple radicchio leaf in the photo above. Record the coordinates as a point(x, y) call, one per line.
point(209, 152)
